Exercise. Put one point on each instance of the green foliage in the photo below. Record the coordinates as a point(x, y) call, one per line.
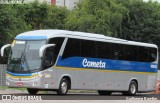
point(10, 25)
point(15, 19)
point(128, 19)
point(98, 16)
point(143, 23)
point(56, 17)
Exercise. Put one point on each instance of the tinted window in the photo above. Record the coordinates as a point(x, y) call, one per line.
point(152, 54)
point(73, 48)
point(143, 54)
point(130, 53)
point(117, 51)
point(88, 48)
point(103, 50)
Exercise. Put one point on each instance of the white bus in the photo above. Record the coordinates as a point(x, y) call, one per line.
point(60, 60)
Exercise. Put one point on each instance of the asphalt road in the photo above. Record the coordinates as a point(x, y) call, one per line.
point(88, 96)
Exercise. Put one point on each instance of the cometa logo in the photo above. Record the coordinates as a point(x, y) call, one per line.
point(87, 63)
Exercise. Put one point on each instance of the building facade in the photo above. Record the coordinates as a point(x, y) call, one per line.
point(67, 3)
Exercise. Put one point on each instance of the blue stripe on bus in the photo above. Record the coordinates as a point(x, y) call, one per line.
point(76, 62)
point(16, 74)
point(31, 37)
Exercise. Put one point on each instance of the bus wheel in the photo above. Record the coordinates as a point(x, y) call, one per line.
point(63, 87)
point(132, 89)
point(100, 92)
point(32, 91)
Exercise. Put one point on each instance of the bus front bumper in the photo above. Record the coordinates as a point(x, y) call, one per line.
point(24, 83)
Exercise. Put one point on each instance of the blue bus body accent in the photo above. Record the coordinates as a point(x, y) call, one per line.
point(31, 37)
point(16, 74)
point(121, 65)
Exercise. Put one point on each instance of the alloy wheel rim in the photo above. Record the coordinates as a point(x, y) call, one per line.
point(133, 88)
point(64, 87)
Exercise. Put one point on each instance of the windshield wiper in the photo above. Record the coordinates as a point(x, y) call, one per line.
point(18, 61)
point(24, 61)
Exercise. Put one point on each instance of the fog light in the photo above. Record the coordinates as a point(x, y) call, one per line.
point(7, 83)
point(33, 85)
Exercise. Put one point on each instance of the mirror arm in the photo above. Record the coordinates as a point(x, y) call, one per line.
point(41, 50)
point(3, 48)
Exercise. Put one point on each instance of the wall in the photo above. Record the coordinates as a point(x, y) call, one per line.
point(3, 74)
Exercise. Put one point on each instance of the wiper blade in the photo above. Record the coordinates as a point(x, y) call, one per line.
point(18, 61)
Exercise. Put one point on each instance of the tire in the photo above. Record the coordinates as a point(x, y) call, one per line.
point(100, 92)
point(32, 91)
point(63, 87)
point(133, 88)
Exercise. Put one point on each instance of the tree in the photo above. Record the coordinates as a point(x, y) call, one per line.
point(44, 16)
point(98, 16)
point(10, 25)
point(36, 14)
point(56, 17)
point(143, 22)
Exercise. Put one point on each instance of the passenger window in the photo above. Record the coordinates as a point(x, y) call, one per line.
point(143, 54)
point(103, 50)
point(72, 49)
point(152, 54)
point(131, 53)
point(88, 48)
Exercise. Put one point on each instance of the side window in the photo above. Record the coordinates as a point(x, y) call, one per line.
point(152, 54)
point(88, 48)
point(117, 51)
point(103, 50)
point(79, 48)
point(52, 52)
point(143, 54)
point(72, 49)
point(130, 53)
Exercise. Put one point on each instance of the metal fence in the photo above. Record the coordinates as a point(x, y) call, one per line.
point(3, 74)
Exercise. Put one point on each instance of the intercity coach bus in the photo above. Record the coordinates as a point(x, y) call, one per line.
point(61, 60)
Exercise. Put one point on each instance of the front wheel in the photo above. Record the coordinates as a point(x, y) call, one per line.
point(32, 91)
point(63, 87)
point(101, 92)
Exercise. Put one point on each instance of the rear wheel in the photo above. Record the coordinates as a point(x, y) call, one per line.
point(63, 87)
point(101, 92)
point(32, 91)
point(133, 88)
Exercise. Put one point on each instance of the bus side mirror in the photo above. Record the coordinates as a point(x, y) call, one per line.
point(3, 48)
point(41, 50)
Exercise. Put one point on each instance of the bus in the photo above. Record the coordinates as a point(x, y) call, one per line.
point(60, 60)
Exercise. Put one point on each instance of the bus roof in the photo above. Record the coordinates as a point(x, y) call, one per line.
point(51, 33)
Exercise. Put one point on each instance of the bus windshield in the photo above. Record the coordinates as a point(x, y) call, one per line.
point(24, 56)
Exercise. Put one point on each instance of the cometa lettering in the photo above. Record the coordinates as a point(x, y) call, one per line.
point(94, 64)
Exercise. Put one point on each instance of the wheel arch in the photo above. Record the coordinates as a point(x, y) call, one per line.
point(68, 77)
point(133, 79)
